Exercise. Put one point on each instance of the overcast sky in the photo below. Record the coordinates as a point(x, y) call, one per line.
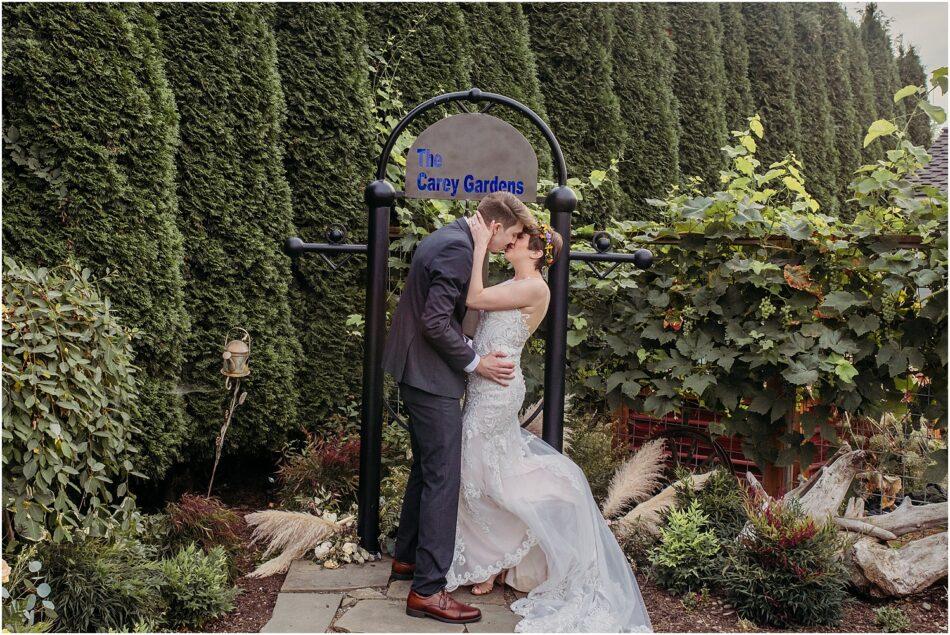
point(923, 24)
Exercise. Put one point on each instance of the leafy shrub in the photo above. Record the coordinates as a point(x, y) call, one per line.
point(68, 388)
point(636, 541)
point(686, 555)
point(891, 619)
point(196, 586)
point(720, 499)
point(591, 448)
point(392, 489)
point(209, 523)
point(764, 297)
point(785, 570)
point(104, 584)
point(329, 463)
point(27, 607)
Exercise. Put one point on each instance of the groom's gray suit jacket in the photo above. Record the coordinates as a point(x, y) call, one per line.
point(425, 348)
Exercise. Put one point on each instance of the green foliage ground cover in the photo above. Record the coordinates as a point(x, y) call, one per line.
point(774, 564)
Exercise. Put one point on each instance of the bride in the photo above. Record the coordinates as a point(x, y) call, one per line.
point(526, 516)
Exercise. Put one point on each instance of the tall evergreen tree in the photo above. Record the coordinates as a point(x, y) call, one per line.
point(912, 73)
point(643, 81)
point(772, 73)
point(819, 153)
point(700, 88)
point(862, 85)
point(577, 84)
point(502, 62)
point(875, 33)
point(424, 45)
point(329, 160)
point(90, 131)
point(234, 211)
point(735, 55)
point(835, 52)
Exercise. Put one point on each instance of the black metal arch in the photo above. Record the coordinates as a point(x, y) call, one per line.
point(473, 95)
point(380, 197)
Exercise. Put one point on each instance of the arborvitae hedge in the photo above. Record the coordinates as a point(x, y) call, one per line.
point(429, 49)
point(912, 73)
point(862, 85)
point(572, 44)
point(818, 152)
point(735, 56)
point(699, 85)
point(848, 129)
point(772, 73)
point(234, 212)
point(643, 81)
point(877, 43)
point(502, 62)
point(329, 160)
point(88, 168)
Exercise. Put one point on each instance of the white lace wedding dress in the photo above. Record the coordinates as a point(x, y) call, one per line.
point(528, 508)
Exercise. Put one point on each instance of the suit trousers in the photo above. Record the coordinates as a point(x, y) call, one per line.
point(426, 534)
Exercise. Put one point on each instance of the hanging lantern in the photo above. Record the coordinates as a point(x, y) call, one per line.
point(235, 355)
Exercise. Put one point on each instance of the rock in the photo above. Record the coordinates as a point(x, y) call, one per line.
point(348, 602)
point(386, 616)
point(331, 564)
point(309, 576)
point(303, 612)
point(926, 606)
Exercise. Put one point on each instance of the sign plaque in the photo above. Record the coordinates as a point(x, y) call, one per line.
point(471, 155)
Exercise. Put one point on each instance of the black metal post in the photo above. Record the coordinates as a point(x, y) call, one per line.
point(561, 202)
point(379, 199)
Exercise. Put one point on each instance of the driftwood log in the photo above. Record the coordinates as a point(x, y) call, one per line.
point(876, 567)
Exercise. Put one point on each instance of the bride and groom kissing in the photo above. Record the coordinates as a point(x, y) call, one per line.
point(487, 501)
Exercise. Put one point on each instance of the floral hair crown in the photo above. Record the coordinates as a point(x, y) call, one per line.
point(548, 232)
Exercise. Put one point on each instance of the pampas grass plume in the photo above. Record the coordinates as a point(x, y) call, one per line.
point(636, 479)
point(291, 533)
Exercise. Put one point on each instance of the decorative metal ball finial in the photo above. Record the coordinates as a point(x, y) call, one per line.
point(336, 235)
point(601, 242)
point(643, 258)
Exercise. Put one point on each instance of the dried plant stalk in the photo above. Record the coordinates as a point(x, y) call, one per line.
point(636, 479)
point(291, 533)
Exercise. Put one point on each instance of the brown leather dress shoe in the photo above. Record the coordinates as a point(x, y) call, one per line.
point(402, 570)
point(441, 606)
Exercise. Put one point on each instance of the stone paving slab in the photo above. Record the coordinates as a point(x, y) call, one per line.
point(303, 612)
point(387, 616)
point(495, 619)
point(307, 576)
point(399, 590)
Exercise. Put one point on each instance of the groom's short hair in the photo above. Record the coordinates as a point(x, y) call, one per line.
point(505, 208)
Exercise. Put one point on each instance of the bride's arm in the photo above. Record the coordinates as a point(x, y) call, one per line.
point(498, 297)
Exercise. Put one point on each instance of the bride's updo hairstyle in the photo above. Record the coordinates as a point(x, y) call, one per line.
point(543, 238)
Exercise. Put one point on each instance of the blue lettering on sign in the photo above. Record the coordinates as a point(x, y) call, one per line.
point(427, 183)
point(470, 184)
point(474, 185)
point(428, 159)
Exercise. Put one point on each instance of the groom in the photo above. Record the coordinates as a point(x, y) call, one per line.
point(429, 356)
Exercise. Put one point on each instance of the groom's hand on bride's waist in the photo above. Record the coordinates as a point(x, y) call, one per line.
point(494, 367)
